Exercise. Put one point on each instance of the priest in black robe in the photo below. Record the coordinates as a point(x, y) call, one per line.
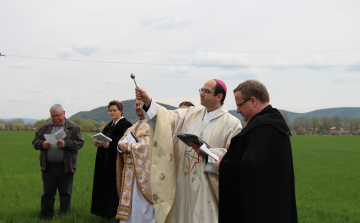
point(256, 175)
point(105, 199)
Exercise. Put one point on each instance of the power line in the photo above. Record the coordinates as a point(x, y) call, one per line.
point(191, 51)
point(193, 65)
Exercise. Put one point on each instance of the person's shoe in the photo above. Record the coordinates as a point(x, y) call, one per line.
point(47, 218)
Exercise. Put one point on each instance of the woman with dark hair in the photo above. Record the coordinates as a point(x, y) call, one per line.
point(105, 199)
point(185, 104)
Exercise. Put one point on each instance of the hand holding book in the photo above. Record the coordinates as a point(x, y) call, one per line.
point(190, 139)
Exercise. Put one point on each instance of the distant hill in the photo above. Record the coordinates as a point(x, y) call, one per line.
point(101, 115)
point(331, 112)
point(26, 120)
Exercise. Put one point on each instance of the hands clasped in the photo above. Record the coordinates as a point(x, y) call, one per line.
point(123, 146)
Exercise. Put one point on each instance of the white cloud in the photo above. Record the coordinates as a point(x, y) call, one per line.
point(343, 78)
point(20, 65)
point(174, 71)
point(65, 53)
point(34, 91)
point(165, 22)
point(110, 81)
point(84, 46)
point(58, 100)
point(354, 66)
point(240, 75)
point(221, 60)
point(170, 32)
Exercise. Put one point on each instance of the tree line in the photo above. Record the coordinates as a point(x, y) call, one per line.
point(86, 125)
point(325, 125)
point(300, 125)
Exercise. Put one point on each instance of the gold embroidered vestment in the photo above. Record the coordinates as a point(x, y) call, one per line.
point(134, 164)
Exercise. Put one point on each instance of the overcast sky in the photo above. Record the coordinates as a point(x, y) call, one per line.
point(81, 53)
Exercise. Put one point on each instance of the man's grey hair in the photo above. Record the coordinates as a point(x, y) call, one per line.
point(56, 107)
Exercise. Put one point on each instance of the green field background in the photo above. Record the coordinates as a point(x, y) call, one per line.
point(326, 178)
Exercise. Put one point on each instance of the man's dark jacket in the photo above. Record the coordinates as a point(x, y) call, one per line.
point(256, 174)
point(74, 141)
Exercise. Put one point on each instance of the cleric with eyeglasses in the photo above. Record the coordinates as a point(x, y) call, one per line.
point(105, 199)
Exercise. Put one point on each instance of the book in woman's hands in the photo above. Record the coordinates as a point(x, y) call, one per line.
point(100, 138)
point(188, 137)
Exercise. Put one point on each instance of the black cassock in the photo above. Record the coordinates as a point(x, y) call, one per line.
point(105, 199)
point(256, 181)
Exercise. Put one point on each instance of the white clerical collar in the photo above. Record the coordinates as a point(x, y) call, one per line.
point(114, 123)
point(208, 115)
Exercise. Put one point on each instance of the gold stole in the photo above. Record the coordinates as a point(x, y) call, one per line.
point(163, 176)
point(126, 171)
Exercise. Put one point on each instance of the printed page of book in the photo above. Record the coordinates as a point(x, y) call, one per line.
point(100, 138)
point(50, 139)
point(208, 152)
point(60, 135)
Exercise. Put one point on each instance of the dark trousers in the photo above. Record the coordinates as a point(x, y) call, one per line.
point(54, 177)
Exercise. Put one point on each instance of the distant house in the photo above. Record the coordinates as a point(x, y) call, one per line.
point(332, 129)
point(311, 130)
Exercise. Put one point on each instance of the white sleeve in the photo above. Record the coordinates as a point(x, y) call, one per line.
point(118, 149)
point(208, 166)
point(151, 114)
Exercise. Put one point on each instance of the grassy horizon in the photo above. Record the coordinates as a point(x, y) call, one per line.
point(326, 179)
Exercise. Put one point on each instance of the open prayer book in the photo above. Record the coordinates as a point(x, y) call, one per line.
point(52, 139)
point(130, 138)
point(189, 137)
point(100, 138)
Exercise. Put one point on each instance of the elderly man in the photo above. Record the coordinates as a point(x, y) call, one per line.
point(134, 172)
point(256, 173)
point(196, 194)
point(58, 161)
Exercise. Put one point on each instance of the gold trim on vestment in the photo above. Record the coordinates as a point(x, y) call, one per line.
point(136, 165)
point(163, 180)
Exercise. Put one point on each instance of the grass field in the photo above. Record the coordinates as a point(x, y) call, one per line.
point(326, 173)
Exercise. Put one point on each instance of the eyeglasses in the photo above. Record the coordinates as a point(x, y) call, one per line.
point(137, 105)
point(242, 103)
point(205, 91)
point(110, 111)
point(56, 116)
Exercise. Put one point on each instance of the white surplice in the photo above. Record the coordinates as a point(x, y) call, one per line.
point(197, 192)
point(141, 209)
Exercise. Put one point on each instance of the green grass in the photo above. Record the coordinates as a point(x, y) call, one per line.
point(326, 174)
point(21, 183)
point(327, 178)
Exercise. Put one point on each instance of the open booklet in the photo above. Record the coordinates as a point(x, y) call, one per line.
point(130, 138)
point(100, 138)
point(52, 139)
point(208, 152)
point(189, 137)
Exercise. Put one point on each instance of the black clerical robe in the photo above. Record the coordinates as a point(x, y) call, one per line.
point(256, 177)
point(105, 199)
